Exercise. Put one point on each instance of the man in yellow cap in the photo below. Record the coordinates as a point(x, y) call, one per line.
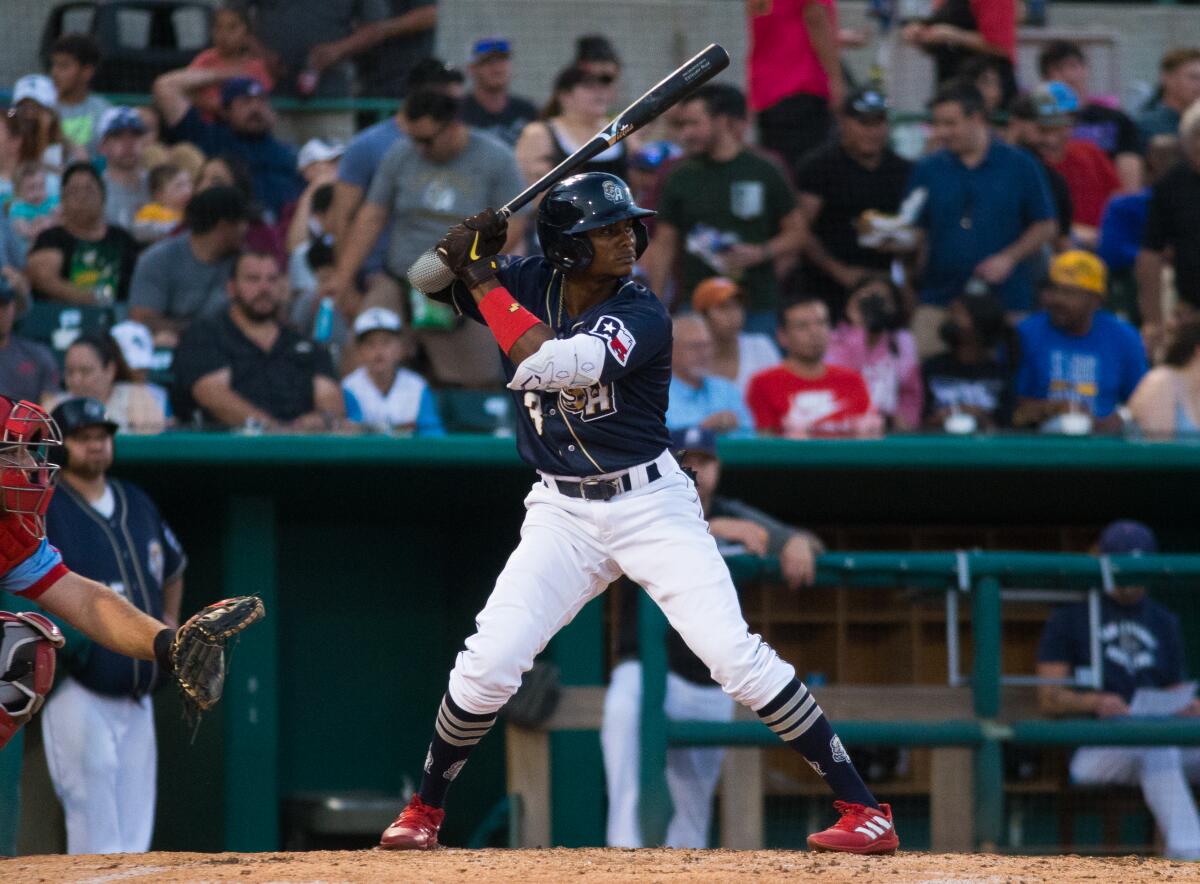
point(1078, 361)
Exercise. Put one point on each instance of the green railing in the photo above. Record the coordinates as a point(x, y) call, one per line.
point(979, 576)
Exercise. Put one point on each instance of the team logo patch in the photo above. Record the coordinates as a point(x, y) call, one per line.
point(452, 770)
point(616, 336)
point(815, 765)
point(838, 750)
point(429, 758)
point(156, 560)
point(589, 403)
point(612, 193)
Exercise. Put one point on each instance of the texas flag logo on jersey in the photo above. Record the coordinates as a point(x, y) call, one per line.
point(616, 336)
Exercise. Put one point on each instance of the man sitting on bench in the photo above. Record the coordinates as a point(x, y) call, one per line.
point(1141, 646)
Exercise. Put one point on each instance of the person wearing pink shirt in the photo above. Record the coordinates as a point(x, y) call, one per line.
point(232, 50)
point(872, 341)
point(794, 73)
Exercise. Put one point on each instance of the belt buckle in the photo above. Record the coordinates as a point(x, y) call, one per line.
point(613, 486)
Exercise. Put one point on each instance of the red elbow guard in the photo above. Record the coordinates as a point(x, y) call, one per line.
point(507, 319)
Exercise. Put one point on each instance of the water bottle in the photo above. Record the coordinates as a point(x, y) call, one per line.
point(323, 324)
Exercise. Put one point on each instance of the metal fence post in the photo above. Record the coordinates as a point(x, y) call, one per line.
point(985, 689)
point(654, 801)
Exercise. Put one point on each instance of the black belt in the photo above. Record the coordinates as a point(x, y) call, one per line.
point(604, 489)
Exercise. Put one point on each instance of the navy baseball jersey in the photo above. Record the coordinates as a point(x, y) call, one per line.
point(1141, 645)
point(611, 425)
point(134, 553)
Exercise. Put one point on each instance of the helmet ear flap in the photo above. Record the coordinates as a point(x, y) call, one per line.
point(571, 252)
point(641, 237)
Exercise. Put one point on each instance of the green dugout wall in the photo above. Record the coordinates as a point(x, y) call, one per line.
point(374, 554)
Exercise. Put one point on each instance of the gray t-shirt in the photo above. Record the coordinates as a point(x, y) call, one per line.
point(27, 370)
point(169, 278)
point(426, 198)
point(121, 203)
point(81, 122)
point(293, 27)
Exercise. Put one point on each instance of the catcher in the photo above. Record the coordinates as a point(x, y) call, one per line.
point(33, 569)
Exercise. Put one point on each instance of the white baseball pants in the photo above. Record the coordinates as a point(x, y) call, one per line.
point(103, 762)
point(692, 773)
point(571, 550)
point(1164, 773)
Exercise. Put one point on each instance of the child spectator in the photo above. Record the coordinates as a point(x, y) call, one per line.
point(381, 393)
point(967, 388)
point(73, 62)
point(872, 340)
point(309, 268)
point(232, 50)
point(32, 209)
point(737, 355)
point(170, 190)
point(804, 397)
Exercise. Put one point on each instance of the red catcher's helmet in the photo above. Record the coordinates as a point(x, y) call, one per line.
point(26, 472)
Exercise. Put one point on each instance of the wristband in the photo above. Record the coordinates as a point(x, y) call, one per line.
point(507, 319)
point(162, 648)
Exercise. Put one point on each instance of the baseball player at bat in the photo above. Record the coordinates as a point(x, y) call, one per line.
point(33, 569)
point(587, 355)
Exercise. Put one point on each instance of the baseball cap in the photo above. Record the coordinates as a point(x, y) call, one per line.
point(318, 150)
point(1079, 269)
point(490, 47)
point(865, 103)
point(37, 87)
point(136, 343)
point(377, 319)
point(695, 440)
point(120, 119)
point(241, 87)
point(1127, 536)
point(1056, 102)
point(81, 412)
point(712, 292)
point(652, 156)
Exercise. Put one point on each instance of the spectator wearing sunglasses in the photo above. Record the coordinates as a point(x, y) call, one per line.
point(577, 110)
point(490, 106)
point(443, 169)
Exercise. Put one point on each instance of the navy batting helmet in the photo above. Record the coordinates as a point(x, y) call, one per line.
point(581, 203)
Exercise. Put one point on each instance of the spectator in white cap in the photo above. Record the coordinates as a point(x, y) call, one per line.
point(381, 393)
point(125, 179)
point(36, 125)
point(137, 347)
point(318, 165)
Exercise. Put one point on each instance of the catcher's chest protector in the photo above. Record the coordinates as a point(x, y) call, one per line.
point(17, 543)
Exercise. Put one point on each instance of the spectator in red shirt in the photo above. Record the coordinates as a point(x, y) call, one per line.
point(1091, 176)
point(795, 74)
point(804, 397)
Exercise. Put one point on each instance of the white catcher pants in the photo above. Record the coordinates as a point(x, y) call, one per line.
point(1164, 773)
point(571, 550)
point(692, 773)
point(103, 762)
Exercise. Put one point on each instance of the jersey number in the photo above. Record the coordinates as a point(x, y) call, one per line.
point(533, 401)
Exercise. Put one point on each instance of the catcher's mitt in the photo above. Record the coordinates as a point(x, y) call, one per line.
point(199, 651)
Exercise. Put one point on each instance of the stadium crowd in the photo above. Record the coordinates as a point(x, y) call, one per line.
point(190, 266)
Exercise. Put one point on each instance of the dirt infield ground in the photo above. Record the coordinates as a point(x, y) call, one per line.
point(537, 866)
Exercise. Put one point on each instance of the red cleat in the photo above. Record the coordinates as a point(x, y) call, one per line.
point(860, 830)
point(415, 829)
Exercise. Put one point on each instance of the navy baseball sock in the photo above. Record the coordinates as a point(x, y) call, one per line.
point(795, 716)
point(455, 733)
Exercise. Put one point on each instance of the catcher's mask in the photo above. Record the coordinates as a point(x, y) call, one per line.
point(581, 203)
point(27, 643)
point(27, 472)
